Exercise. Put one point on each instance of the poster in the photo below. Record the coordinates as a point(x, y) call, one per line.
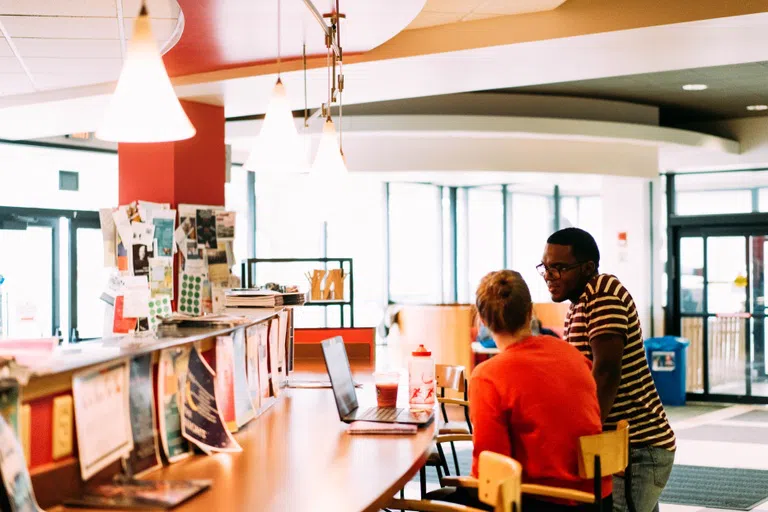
point(225, 380)
point(121, 324)
point(10, 403)
point(225, 226)
point(252, 365)
point(191, 293)
point(188, 221)
point(16, 480)
point(206, 229)
point(243, 406)
point(145, 455)
point(218, 270)
point(164, 222)
point(161, 276)
point(202, 422)
point(102, 392)
point(159, 306)
point(172, 372)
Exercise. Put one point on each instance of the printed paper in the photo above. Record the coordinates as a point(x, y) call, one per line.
point(102, 392)
point(218, 270)
point(172, 374)
point(191, 293)
point(225, 380)
point(164, 222)
point(243, 406)
point(202, 422)
point(206, 229)
point(136, 296)
point(161, 276)
point(159, 306)
point(13, 467)
point(145, 455)
point(225, 226)
point(109, 236)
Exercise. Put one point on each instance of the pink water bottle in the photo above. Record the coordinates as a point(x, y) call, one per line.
point(421, 379)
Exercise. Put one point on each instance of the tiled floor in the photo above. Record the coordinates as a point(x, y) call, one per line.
point(710, 452)
point(714, 452)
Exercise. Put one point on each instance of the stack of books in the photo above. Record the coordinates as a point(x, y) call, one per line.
point(248, 298)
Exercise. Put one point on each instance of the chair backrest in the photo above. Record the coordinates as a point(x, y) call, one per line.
point(450, 377)
point(499, 482)
point(612, 447)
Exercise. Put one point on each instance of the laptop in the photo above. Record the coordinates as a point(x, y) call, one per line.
point(337, 363)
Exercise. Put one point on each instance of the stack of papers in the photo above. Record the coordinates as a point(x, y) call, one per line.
point(248, 298)
point(183, 320)
point(370, 427)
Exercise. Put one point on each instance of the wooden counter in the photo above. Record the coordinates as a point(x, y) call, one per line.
point(298, 457)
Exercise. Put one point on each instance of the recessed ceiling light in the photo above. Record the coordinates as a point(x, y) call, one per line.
point(755, 108)
point(694, 87)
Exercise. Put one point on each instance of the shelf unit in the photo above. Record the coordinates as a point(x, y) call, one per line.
point(248, 272)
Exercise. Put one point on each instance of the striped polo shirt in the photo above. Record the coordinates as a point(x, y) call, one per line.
point(607, 307)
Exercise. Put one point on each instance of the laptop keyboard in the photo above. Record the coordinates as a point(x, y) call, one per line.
point(380, 414)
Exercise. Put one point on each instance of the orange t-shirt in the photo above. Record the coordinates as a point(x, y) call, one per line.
point(532, 402)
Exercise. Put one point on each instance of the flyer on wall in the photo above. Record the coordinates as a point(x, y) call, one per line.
point(225, 380)
point(171, 376)
point(102, 392)
point(202, 422)
point(145, 455)
point(243, 406)
point(274, 372)
point(18, 494)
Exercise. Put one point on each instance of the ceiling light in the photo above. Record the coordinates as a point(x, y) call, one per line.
point(757, 108)
point(329, 160)
point(278, 146)
point(144, 107)
point(694, 87)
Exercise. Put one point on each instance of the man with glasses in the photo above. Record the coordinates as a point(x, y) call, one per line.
point(603, 324)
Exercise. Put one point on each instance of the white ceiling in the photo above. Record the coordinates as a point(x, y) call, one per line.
point(48, 45)
point(441, 12)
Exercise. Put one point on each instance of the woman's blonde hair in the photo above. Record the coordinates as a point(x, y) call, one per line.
point(504, 301)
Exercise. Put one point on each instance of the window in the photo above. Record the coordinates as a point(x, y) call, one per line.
point(357, 231)
point(236, 200)
point(532, 223)
point(585, 212)
point(709, 202)
point(485, 234)
point(415, 251)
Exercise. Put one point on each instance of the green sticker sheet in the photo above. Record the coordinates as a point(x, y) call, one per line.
point(191, 294)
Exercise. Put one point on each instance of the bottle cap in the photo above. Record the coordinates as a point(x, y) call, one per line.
point(421, 352)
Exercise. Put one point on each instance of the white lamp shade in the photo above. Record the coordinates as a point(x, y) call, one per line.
point(144, 106)
point(329, 161)
point(278, 147)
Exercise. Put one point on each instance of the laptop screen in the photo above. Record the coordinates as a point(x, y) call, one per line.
point(335, 355)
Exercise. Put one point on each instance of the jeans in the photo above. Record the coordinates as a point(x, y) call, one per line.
point(650, 468)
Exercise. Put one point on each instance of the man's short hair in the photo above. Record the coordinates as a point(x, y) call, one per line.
point(582, 244)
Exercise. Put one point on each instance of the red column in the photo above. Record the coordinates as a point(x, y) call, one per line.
point(190, 171)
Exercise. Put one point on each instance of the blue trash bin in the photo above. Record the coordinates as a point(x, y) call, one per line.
point(666, 358)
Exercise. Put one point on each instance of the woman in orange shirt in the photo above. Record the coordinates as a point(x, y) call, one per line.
point(534, 399)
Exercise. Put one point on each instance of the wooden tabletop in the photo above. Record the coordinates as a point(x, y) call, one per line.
point(298, 456)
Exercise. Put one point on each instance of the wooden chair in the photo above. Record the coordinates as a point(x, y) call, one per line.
point(498, 485)
point(453, 378)
point(601, 455)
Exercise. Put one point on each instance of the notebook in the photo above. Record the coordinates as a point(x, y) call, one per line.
point(370, 427)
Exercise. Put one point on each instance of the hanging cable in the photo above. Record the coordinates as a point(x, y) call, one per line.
point(279, 24)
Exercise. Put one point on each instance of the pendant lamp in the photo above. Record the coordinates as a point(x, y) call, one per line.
point(329, 160)
point(278, 147)
point(144, 106)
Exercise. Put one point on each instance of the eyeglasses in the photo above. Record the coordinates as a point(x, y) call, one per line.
point(555, 273)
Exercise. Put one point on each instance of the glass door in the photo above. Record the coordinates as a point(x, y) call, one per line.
point(89, 278)
point(29, 264)
point(721, 310)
